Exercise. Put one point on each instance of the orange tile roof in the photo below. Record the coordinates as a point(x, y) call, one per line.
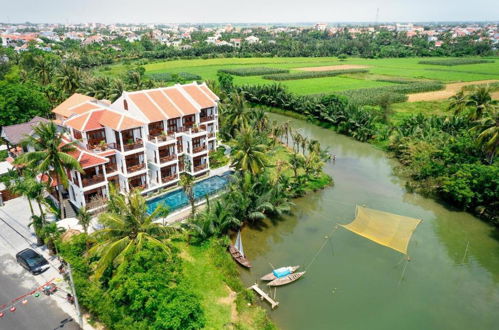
point(74, 100)
point(77, 122)
point(197, 95)
point(128, 123)
point(151, 111)
point(208, 91)
point(86, 158)
point(82, 108)
point(165, 104)
point(181, 101)
point(100, 118)
point(119, 121)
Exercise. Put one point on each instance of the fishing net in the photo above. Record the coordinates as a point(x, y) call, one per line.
point(387, 229)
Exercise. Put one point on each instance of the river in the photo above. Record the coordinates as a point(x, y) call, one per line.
point(451, 282)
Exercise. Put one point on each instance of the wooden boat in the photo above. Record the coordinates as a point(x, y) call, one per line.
point(237, 252)
point(286, 279)
point(270, 276)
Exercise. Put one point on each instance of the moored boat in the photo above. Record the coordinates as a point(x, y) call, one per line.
point(275, 273)
point(237, 252)
point(286, 279)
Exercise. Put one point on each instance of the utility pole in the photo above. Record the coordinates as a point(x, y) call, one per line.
point(80, 320)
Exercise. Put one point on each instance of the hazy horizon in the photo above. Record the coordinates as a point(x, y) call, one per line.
point(244, 12)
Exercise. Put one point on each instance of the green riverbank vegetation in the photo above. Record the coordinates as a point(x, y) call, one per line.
point(450, 156)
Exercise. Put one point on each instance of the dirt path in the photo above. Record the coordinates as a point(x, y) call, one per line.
point(333, 67)
point(230, 300)
point(450, 90)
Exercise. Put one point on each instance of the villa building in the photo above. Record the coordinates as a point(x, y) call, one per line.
point(144, 140)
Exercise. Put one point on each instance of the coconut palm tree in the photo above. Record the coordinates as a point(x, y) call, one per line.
point(238, 115)
point(488, 135)
point(481, 103)
point(127, 226)
point(458, 102)
point(296, 161)
point(84, 218)
point(187, 183)
point(68, 77)
point(51, 155)
point(249, 154)
point(43, 68)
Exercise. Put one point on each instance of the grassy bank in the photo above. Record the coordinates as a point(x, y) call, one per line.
point(214, 276)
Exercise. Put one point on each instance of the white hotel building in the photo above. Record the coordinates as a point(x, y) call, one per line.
point(144, 140)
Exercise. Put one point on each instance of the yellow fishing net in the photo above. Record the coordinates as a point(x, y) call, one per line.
point(388, 229)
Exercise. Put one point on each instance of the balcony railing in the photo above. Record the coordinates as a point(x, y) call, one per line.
point(102, 147)
point(89, 181)
point(131, 146)
point(140, 186)
point(168, 178)
point(111, 167)
point(161, 138)
point(207, 118)
point(199, 149)
point(211, 134)
point(99, 202)
point(168, 158)
point(136, 168)
point(200, 167)
point(197, 130)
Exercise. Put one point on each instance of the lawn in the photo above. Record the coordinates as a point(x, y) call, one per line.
point(213, 275)
point(388, 67)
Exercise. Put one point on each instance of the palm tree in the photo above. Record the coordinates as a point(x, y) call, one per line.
point(50, 155)
point(458, 102)
point(488, 137)
point(187, 183)
point(68, 78)
point(481, 102)
point(296, 161)
point(127, 226)
point(238, 115)
point(215, 221)
point(84, 218)
point(249, 154)
point(43, 69)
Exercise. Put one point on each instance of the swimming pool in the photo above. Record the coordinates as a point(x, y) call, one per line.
point(178, 199)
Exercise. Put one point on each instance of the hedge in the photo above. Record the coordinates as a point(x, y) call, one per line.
point(166, 76)
point(253, 71)
point(456, 61)
point(311, 74)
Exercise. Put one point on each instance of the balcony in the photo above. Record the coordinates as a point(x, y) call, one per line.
point(207, 118)
point(161, 138)
point(168, 178)
point(200, 167)
point(131, 146)
point(211, 134)
point(166, 159)
point(89, 181)
point(135, 168)
point(111, 167)
point(102, 147)
point(96, 203)
point(199, 149)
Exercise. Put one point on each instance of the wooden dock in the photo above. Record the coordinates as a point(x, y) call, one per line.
point(263, 295)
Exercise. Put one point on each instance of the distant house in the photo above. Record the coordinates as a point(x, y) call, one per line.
point(236, 42)
point(252, 40)
point(212, 40)
point(320, 27)
point(93, 39)
point(15, 134)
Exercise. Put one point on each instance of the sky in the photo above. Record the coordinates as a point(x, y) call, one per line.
point(245, 11)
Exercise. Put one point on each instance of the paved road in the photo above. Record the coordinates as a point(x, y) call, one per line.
point(39, 313)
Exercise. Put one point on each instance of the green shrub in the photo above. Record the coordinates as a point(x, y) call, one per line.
point(311, 74)
point(3, 155)
point(252, 71)
point(168, 77)
point(455, 61)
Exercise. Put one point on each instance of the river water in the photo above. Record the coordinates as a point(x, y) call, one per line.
point(451, 282)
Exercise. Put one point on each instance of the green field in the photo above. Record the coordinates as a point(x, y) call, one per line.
point(378, 69)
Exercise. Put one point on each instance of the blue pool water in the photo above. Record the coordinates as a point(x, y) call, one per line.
point(178, 199)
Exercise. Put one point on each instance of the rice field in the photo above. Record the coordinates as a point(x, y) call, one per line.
point(382, 72)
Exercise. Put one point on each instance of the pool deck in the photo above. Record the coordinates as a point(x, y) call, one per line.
point(184, 213)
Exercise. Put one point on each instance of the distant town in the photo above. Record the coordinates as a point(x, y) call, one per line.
point(46, 36)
